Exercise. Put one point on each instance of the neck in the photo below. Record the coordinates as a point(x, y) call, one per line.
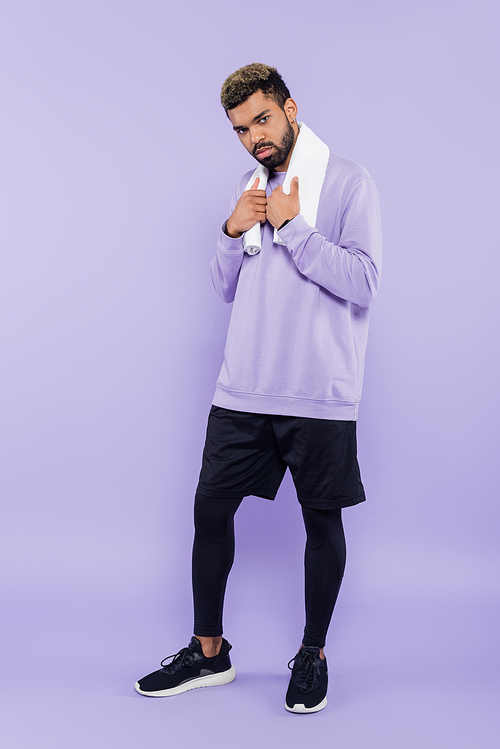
point(284, 166)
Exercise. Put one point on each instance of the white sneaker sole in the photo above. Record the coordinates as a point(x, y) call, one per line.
point(212, 680)
point(303, 709)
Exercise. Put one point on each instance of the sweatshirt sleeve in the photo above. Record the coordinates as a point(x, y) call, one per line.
point(225, 266)
point(351, 268)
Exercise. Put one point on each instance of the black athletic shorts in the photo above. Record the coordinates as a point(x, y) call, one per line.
point(248, 454)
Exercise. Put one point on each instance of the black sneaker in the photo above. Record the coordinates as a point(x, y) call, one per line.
point(189, 669)
point(308, 682)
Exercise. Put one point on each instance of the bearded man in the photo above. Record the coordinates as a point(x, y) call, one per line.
point(299, 257)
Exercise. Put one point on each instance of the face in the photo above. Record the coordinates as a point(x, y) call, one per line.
point(266, 131)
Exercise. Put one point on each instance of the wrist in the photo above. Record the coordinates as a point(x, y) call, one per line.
point(230, 232)
point(285, 222)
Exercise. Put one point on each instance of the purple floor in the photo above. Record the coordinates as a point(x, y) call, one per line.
point(402, 674)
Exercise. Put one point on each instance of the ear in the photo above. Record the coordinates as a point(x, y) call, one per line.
point(291, 111)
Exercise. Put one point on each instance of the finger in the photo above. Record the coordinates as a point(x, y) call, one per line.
point(255, 184)
point(294, 186)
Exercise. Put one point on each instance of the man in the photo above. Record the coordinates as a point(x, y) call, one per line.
point(299, 257)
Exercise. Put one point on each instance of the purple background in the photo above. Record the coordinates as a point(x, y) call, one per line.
point(117, 169)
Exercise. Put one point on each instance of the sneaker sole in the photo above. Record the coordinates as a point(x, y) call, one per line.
point(303, 709)
point(213, 680)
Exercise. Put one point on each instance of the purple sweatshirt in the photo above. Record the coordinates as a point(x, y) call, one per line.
point(297, 336)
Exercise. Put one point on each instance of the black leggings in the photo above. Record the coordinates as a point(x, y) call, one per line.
point(213, 554)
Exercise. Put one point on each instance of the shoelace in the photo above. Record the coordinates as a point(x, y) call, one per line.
point(183, 657)
point(306, 677)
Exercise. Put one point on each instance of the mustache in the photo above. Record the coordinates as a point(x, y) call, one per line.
point(260, 146)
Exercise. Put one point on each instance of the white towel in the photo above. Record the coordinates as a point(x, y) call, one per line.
point(308, 162)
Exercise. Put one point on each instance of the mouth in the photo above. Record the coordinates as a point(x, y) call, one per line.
point(263, 153)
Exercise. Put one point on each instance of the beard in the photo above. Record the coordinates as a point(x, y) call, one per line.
point(281, 149)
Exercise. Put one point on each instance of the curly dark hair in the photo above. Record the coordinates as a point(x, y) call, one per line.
point(241, 84)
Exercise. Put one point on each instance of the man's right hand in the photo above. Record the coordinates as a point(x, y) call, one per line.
point(250, 208)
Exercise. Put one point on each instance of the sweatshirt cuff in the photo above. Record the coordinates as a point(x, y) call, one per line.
point(230, 245)
point(296, 232)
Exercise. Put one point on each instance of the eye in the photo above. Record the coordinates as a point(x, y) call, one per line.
point(263, 119)
point(242, 130)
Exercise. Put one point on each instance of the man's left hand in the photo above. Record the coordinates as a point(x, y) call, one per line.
point(281, 207)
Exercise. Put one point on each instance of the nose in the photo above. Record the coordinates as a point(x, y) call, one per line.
point(256, 135)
